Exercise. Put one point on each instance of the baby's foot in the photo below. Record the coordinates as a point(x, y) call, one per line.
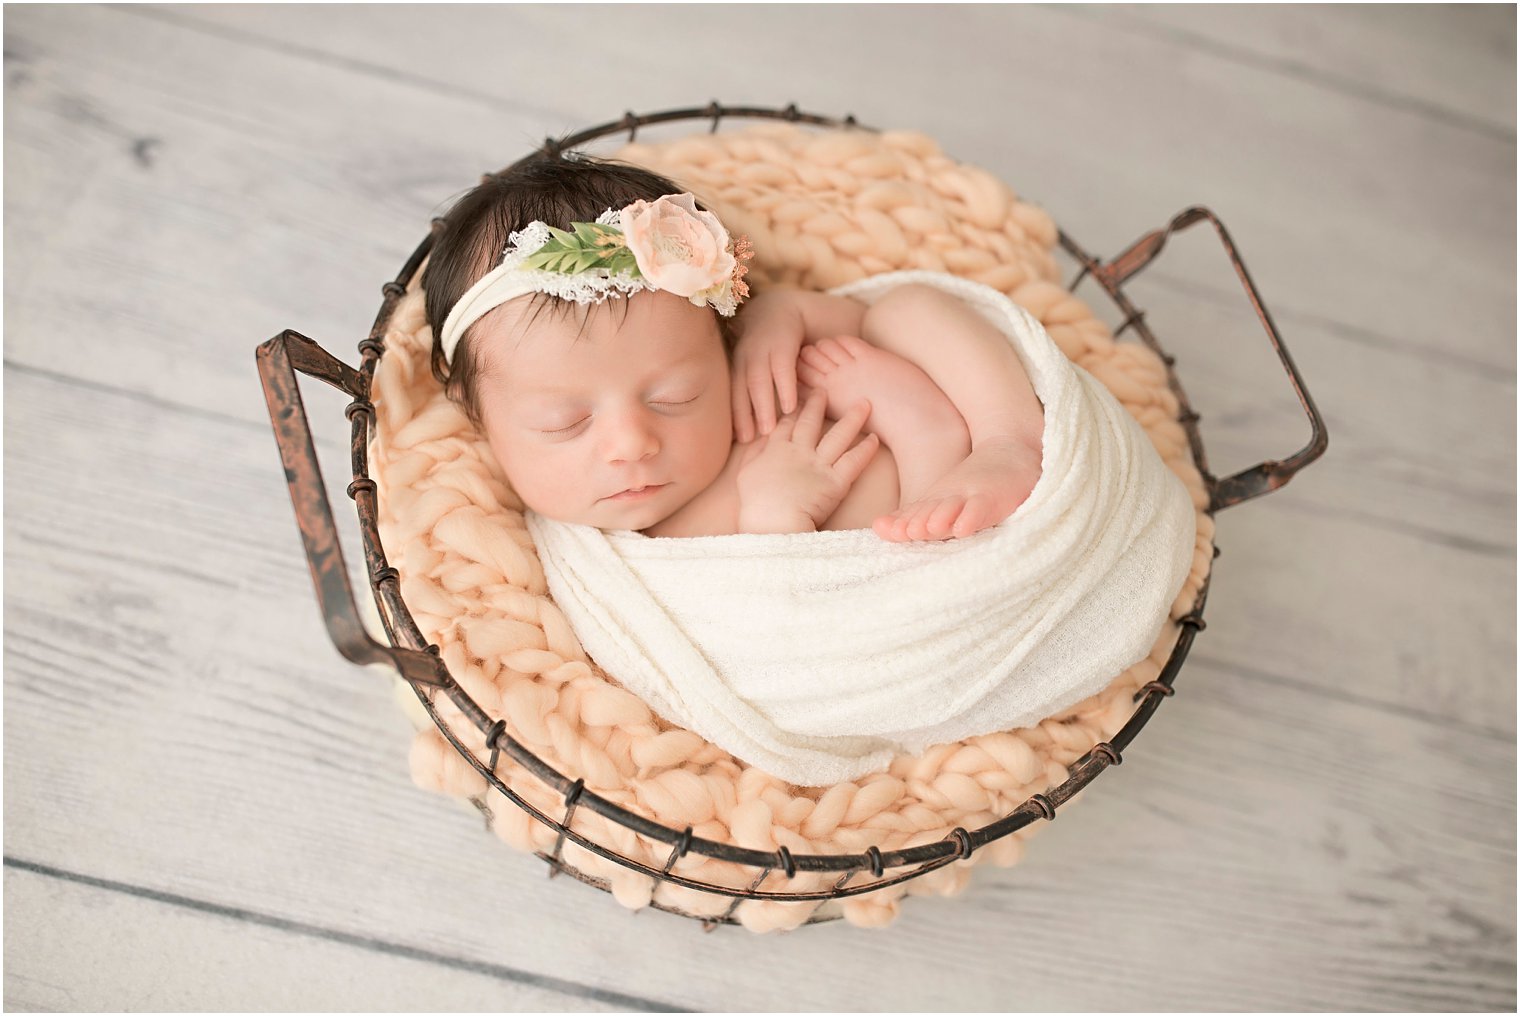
point(909, 412)
point(981, 491)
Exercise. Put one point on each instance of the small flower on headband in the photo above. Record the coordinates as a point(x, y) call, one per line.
point(668, 243)
point(679, 249)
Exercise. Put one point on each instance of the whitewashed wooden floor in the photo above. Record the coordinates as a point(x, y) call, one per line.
point(206, 808)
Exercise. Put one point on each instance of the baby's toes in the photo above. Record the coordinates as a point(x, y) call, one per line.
point(854, 345)
point(836, 352)
point(939, 521)
point(981, 512)
point(810, 376)
point(913, 517)
point(894, 525)
point(812, 357)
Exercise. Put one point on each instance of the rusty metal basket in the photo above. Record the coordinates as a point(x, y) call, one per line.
point(418, 663)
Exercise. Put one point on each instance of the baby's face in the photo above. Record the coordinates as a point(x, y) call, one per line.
point(638, 400)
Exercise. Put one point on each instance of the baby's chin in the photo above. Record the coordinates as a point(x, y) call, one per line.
point(617, 515)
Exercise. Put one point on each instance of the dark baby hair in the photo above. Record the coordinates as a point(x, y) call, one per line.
point(557, 190)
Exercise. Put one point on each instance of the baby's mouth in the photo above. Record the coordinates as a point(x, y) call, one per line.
point(634, 493)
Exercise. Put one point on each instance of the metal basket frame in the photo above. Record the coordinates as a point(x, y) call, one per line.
point(419, 663)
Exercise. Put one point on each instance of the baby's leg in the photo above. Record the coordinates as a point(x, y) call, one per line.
point(973, 363)
point(913, 418)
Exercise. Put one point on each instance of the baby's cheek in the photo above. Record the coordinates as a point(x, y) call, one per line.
point(523, 472)
point(498, 458)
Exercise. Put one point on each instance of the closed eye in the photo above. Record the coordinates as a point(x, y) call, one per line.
point(563, 430)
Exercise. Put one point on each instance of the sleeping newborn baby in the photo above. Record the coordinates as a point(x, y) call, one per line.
point(595, 359)
point(1028, 540)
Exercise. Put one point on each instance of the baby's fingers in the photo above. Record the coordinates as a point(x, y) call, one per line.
point(853, 462)
point(758, 380)
point(784, 370)
point(844, 431)
point(809, 420)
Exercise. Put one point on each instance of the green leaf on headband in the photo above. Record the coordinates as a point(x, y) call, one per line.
point(622, 261)
point(547, 258)
point(591, 245)
point(588, 233)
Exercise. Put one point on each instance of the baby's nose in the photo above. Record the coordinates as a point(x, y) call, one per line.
point(632, 438)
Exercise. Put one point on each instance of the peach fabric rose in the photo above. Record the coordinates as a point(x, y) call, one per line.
point(678, 248)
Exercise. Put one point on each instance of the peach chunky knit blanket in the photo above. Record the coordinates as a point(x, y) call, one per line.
point(823, 209)
point(818, 657)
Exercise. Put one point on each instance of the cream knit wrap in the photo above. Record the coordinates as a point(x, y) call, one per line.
point(818, 657)
point(823, 209)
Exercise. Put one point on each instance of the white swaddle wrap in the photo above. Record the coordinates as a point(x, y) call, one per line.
point(818, 657)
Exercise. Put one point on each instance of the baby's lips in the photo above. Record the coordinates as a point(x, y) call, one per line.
point(627, 489)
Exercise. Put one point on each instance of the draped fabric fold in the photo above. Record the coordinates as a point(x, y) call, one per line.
point(818, 657)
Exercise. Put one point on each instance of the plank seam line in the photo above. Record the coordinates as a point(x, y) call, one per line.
point(1306, 74)
point(136, 396)
point(337, 60)
point(499, 972)
point(1237, 669)
point(33, 540)
point(1229, 299)
point(1440, 538)
point(325, 443)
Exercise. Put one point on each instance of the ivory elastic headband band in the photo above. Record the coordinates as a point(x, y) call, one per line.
point(666, 244)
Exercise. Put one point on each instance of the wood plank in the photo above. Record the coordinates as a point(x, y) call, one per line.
point(1453, 62)
point(158, 736)
point(150, 951)
point(200, 221)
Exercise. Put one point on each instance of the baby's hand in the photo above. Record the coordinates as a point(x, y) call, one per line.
point(792, 479)
point(765, 366)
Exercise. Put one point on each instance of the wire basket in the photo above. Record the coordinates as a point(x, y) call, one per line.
point(418, 663)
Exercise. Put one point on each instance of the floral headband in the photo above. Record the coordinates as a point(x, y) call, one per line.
point(662, 244)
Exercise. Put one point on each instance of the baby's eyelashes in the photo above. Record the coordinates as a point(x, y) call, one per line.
point(584, 420)
point(563, 430)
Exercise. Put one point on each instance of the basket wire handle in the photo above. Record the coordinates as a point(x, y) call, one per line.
point(278, 360)
point(1267, 476)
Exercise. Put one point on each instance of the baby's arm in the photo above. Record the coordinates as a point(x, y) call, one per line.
point(792, 480)
point(773, 327)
